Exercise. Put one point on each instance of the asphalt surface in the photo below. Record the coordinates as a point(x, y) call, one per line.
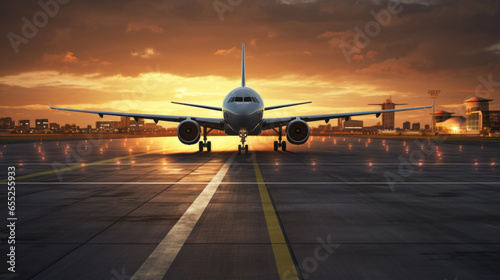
point(346, 208)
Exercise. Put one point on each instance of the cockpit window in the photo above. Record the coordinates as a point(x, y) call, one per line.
point(248, 99)
point(238, 99)
point(255, 100)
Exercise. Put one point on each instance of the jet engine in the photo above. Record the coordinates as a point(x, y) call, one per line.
point(297, 132)
point(188, 132)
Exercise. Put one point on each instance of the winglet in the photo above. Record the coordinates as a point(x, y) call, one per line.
point(49, 104)
point(243, 65)
point(433, 103)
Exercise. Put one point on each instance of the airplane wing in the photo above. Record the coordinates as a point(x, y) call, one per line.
point(285, 105)
point(274, 122)
point(199, 106)
point(206, 122)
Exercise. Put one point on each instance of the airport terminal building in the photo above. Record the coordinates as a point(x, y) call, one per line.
point(479, 118)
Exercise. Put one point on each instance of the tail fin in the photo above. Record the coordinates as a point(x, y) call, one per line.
point(243, 65)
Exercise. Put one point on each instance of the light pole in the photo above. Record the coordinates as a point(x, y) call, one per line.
point(434, 93)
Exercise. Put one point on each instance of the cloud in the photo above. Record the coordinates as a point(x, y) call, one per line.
point(271, 34)
point(147, 53)
point(69, 57)
point(133, 26)
point(225, 51)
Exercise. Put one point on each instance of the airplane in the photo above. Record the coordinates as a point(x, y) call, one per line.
point(242, 114)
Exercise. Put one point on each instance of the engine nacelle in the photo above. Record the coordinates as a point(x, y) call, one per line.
point(188, 132)
point(297, 132)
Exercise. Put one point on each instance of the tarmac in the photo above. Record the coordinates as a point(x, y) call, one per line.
point(333, 208)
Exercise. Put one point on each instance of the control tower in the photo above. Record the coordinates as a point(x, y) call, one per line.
point(388, 118)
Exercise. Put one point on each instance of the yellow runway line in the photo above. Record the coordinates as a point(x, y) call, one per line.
point(284, 263)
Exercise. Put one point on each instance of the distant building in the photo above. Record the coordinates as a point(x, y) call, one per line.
point(406, 125)
point(442, 116)
point(152, 127)
point(7, 123)
point(388, 118)
point(427, 127)
point(24, 124)
point(415, 126)
point(41, 123)
point(352, 125)
point(136, 126)
point(107, 126)
point(325, 127)
point(54, 126)
point(479, 118)
point(125, 123)
point(453, 125)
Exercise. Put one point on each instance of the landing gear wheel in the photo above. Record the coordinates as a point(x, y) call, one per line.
point(283, 146)
point(246, 149)
point(239, 149)
point(276, 145)
point(200, 145)
point(209, 146)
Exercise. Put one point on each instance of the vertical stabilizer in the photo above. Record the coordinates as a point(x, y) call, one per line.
point(243, 65)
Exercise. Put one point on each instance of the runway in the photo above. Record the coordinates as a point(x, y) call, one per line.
point(333, 208)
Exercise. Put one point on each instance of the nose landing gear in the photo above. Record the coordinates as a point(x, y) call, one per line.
point(205, 143)
point(243, 136)
point(279, 144)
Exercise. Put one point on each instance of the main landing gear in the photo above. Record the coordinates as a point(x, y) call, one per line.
point(205, 143)
point(243, 136)
point(279, 144)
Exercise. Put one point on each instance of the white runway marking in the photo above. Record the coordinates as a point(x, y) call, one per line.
point(254, 183)
point(158, 263)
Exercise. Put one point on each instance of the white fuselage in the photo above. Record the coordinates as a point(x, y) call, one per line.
point(243, 108)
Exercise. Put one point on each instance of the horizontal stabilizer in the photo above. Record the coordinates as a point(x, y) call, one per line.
point(285, 105)
point(199, 106)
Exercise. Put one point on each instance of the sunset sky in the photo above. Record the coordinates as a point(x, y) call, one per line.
point(137, 56)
